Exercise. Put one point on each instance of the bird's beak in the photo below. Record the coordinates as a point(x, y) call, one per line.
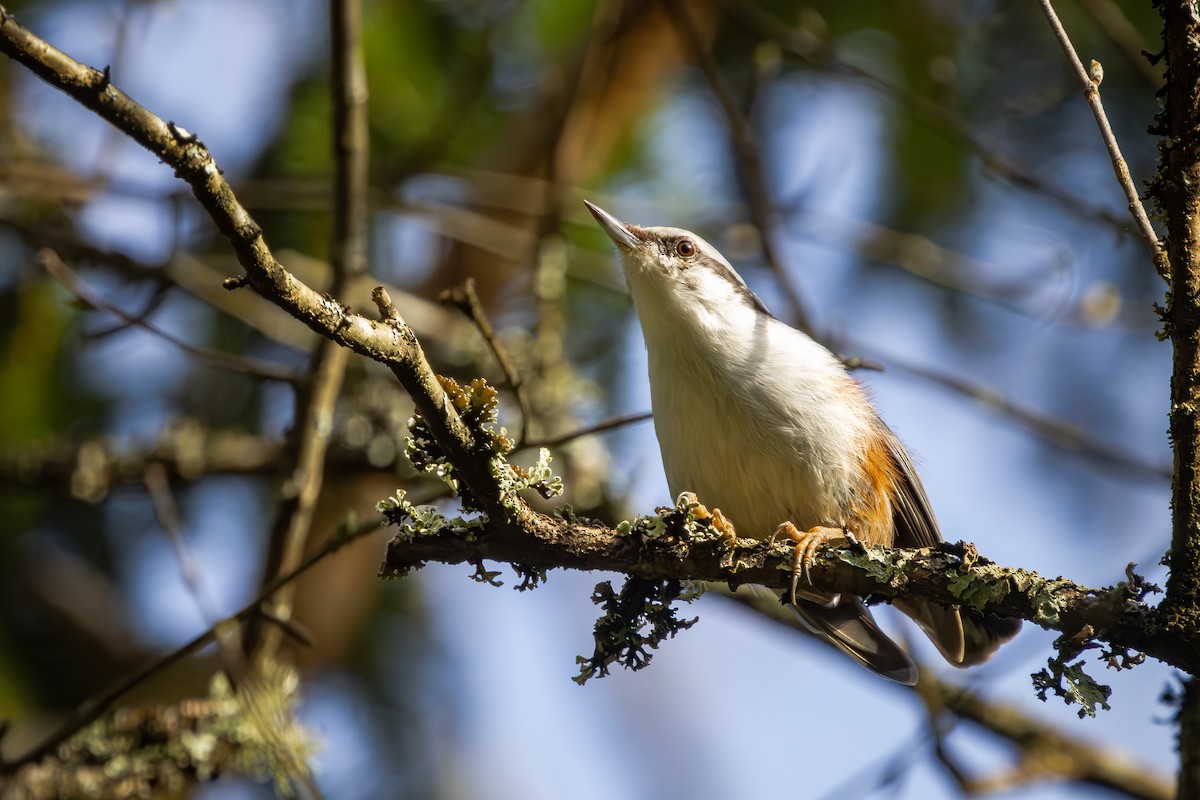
point(616, 230)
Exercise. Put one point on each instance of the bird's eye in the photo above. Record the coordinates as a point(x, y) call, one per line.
point(685, 248)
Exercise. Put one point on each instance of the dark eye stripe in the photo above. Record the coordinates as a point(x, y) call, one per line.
point(734, 280)
point(698, 260)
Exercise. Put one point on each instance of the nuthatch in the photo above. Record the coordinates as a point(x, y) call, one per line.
point(765, 424)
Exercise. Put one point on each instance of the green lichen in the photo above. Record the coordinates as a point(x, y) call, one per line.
point(513, 479)
point(979, 585)
point(636, 620)
point(688, 520)
point(416, 521)
point(490, 577)
point(1043, 594)
point(477, 408)
point(162, 751)
point(531, 577)
point(880, 564)
point(1073, 685)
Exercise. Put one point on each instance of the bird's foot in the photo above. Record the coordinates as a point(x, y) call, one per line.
point(807, 543)
point(723, 527)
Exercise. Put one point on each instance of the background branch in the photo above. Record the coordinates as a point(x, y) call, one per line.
point(348, 258)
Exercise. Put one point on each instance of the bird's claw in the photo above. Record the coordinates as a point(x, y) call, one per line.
point(723, 527)
point(807, 543)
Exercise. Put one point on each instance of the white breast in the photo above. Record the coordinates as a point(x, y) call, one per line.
point(768, 430)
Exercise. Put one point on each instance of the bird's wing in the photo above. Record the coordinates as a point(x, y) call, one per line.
point(964, 636)
point(914, 520)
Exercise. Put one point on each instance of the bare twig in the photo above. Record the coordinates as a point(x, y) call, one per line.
point(351, 143)
point(928, 260)
point(49, 261)
point(166, 510)
point(599, 427)
point(466, 300)
point(1090, 82)
point(1045, 753)
point(171, 521)
point(1116, 26)
point(387, 308)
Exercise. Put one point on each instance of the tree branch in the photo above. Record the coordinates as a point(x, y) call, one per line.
point(1044, 753)
point(1175, 189)
point(97, 706)
point(819, 54)
point(50, 261)
point(953, 575)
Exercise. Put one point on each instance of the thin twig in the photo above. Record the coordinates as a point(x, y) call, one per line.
point(1091, 91)
point(599, 427)
point(302, 484)
point(351, 143)
point(1116, 26)
point(465, 299)
point(930, 261)
point(49, 260)
point(166, 511)
point(387, 307)
point(1060, 756)
point(1045, 752)
point(291, 627)
point(869, 779)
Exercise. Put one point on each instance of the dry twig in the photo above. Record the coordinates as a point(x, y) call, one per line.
point(1090, 82)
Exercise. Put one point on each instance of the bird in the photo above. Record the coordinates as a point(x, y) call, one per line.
point(765, 426)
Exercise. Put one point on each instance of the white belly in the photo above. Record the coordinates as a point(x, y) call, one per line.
point(761, 455)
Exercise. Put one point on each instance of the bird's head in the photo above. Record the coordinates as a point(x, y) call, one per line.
point(674, 272)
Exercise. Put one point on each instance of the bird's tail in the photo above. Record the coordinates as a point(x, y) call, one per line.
point(964, 637)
